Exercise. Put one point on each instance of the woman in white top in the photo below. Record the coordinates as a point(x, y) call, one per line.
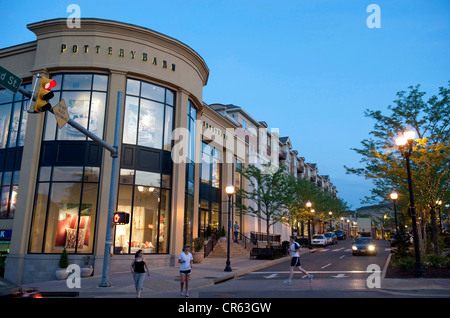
point(185, 259)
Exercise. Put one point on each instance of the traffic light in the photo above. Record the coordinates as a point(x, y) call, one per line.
point(121, 218)
point(44, 95)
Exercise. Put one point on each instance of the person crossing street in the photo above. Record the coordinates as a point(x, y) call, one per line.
point(294, 250)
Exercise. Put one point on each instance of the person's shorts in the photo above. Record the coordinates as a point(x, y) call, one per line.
point(188, 272)
point(295, 261)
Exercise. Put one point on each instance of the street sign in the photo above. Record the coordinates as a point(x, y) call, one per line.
point(61, 113)
point(9, 81)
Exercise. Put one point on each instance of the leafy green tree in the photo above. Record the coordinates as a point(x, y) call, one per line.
point(271, 192)
point(430, 159)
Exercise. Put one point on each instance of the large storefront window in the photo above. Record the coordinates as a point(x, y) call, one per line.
point(66, 199)
point(65, 210)
point(146, 197)
point(13, 123)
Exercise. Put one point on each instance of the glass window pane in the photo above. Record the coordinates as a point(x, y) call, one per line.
point(133, 87)
point(163, 239)
point(166, 181)
point(100, 83)
point(151, 116)
point(206, 169)
point(67, 173)
point(153, 92)
point(4, 203)
point(45, 173)
point(5, 117)
point(62, 221)
point(50, 121)
point(77, 82)
point(12, 202)
point(97, 116)
point(144, 232)
point(91, 174)
point(168, 129)
point(6, 96)
point(130, 120)
point(78, 106)
point(23, 125)
point(15, 178)
point(148, 179)
point(170, 97)
point(122, 235)
point(215, 178)
point(126, 176)
point(15, 124)
point(38, 225)
point(87, 218)
point(7, 175)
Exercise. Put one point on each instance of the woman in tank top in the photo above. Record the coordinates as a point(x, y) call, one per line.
point(138, 268)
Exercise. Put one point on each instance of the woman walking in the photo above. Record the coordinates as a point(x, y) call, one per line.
point(185, 259)
point(138, 267)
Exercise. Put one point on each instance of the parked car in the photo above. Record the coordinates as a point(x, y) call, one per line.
point(319, 239)
point(331, 237)
point(340, 234)
point(364, 245)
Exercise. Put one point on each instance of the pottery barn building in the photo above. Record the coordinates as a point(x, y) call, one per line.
point(55, 182)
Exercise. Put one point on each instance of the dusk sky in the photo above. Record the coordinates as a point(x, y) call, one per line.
point(309, 68)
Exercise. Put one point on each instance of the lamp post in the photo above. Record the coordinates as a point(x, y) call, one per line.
point(309, 205)
point(330, 213)
point(405, 143)
point(394, 197)
point(230, 191)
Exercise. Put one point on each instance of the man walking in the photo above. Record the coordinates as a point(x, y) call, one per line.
point(294, 250)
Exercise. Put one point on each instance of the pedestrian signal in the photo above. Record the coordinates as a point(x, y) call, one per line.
point(121, 218)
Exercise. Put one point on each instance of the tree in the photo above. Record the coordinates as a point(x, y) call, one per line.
point(430, 158)
point(304, 191)
point(271, 192)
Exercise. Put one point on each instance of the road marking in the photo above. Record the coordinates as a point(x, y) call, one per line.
point(387, 249)
point(339, 276)
point(348, 250)
point(342, 257)
point(338, 249)
point(325, 266)
point(324, 250)
point(271, 276)
point(319, 272)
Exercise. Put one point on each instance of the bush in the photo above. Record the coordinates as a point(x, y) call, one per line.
point(199, 243)
point(433, 260)
point(403, 263)
point(63, 260)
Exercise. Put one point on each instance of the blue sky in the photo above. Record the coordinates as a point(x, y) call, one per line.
point(309, 68)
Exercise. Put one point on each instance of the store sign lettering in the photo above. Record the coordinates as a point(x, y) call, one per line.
point(144, 57)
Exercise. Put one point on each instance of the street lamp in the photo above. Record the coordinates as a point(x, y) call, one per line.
point(405, 143)
point(394, 197)
point(330, 213)
point(230, 191)
point(309, 205)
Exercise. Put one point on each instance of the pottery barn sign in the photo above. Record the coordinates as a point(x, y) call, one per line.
point(86, 49)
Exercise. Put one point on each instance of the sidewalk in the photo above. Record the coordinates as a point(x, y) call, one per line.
point(165, 282)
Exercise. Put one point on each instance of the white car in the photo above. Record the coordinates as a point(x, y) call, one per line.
point(319, 239)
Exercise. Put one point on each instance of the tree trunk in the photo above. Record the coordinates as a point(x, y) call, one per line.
point(268, 233)
point(434, 231)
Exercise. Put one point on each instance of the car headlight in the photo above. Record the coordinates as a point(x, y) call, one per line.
point(371, 248)
point(354, 248)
